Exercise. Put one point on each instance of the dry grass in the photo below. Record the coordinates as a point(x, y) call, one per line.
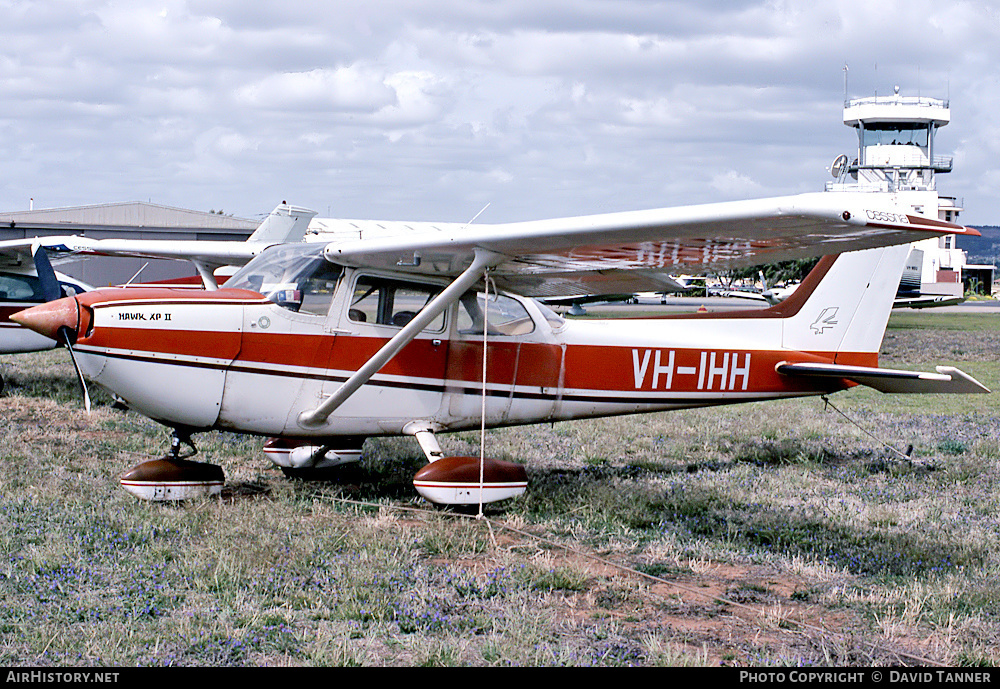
point(770, 534)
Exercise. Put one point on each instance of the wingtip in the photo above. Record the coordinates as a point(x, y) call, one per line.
point(972, 385)
point(942, 226)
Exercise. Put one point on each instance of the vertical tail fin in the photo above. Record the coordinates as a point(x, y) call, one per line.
point(845, 309)
point(284, 224)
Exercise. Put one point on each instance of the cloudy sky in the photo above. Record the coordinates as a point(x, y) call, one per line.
point(432, 110)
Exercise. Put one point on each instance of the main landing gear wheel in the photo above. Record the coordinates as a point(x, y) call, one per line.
point(462, 480)
point(174, 477)
point(459, 481)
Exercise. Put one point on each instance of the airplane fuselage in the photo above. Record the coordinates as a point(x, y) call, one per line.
point(231, 359)
point(15, 338)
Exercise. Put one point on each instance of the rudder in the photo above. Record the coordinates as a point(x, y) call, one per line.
point(846, 312)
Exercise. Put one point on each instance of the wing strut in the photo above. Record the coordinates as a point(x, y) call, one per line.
point(483, 260)
point(207, 277)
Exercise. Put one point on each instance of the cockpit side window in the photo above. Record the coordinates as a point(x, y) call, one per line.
point(295, 277)
point(504, 315)
point(386, 301)
point(317, 289)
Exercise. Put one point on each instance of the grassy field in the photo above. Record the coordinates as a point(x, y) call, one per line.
point(771, 534)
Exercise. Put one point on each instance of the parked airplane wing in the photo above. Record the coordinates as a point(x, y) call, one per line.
point(284, 224)
point(628, 251)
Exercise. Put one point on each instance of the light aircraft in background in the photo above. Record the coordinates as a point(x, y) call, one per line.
point(925, 301)
point(390, 330)
point(27, 277)
point(909, 295)
point(23, 285)
point(773, 294)
point(669, 284)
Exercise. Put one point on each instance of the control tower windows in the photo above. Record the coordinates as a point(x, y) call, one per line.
point(895, 134)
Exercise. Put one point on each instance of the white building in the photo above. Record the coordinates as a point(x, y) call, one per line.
point(896, 154)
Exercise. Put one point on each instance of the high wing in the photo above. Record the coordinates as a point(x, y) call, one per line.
point(284, 224)
point(630, 251)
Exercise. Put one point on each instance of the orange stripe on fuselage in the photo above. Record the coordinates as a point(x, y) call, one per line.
point(216, 345)
point(575, 367)
point(587, 367)
point(660, 369)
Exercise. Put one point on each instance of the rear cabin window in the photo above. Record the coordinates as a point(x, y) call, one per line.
point(504, 315)
point(386, 301)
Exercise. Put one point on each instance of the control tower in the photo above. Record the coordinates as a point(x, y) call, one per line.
point(896, 154)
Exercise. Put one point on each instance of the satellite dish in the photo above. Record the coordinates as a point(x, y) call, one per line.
point(837, 168)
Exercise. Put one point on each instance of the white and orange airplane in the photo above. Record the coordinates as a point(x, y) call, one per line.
point(388, 328)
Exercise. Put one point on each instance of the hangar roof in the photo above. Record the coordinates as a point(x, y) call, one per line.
point(134, 215)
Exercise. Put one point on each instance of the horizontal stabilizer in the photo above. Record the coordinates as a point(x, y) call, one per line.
point(947, 378)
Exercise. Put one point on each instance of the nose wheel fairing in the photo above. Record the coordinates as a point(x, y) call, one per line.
point(171, 478)
point(174, 477)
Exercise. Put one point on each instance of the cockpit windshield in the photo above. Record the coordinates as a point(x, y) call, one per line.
point(293, 276)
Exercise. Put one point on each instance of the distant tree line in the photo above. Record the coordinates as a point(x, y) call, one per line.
point(782, 272)
point(982, 250)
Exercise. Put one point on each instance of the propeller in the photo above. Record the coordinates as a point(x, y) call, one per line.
point(65, 334)
point(52, 290)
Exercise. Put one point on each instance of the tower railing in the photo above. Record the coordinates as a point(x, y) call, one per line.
point(897, 99)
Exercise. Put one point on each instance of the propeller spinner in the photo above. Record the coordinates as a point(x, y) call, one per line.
point(61, 320)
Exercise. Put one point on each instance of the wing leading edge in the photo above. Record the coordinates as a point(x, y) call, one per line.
point(630, 251)
point(284, 224)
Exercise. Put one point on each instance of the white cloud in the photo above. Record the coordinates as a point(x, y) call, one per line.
point(427, 110)
point(418, 97)
point(732, 184)
point(356, 88)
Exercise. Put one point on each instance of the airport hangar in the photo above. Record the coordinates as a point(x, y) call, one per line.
point(131, 220)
